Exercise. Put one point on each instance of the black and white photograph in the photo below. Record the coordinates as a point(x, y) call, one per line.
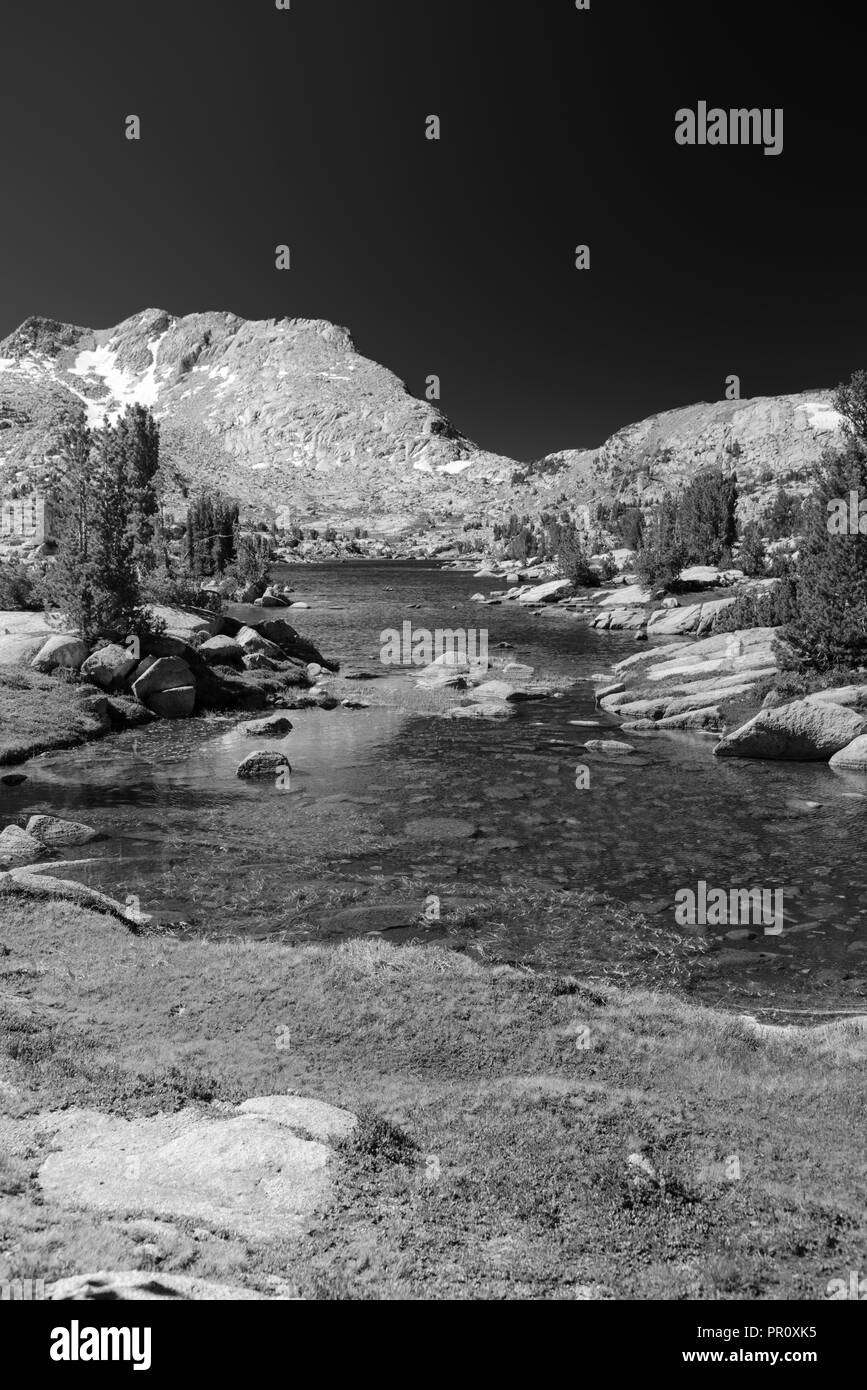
point(433, 669)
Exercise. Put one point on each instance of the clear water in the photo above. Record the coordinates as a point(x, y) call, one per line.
point(361, 826)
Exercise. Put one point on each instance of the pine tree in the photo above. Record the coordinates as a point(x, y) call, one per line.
point(138, 437)
point(784, 516)
point(753, 553)
point(212, 522)
point(831, 626)
point(71, 582)
point(663, 554)
point(118, 595)
point(708, 511)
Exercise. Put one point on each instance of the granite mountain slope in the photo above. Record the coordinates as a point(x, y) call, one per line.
point(286, 414)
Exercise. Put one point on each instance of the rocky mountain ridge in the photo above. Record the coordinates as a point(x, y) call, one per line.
point(297, 418)
point(768, 441)
point(286, 414)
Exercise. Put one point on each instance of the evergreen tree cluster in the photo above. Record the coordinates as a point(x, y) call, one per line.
point(211, 540)
point(698, 526)
point(830, 629)
point(106, 489)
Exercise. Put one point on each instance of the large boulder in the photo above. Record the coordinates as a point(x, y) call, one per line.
point(803, 731)
point(18, 847)
point(56, 833)
point(548, 593)
point(221, 651)
point(184, 622)
point(170, 644)
point(284, 636)
point(109, 666)
point(177, 703)
point(63, 650)
point(164, 673)
point(249, 640)
point(854, 696)
point(126, 713)
point(852, 758)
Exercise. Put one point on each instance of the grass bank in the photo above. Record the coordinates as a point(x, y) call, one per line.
point(518, 1098)
point(39, 714)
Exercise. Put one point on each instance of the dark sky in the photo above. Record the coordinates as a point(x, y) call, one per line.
point(307, 127)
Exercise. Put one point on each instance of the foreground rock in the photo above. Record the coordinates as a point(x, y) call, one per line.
point(19, 847)
point(261, 1171)
point(803, 731)
point(262, 765)
point(109, 667)
point(27, 883)
point(57, 833)
point(161, 676)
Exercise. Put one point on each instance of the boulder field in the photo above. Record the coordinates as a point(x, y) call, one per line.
point(200, 661)
point(479, 690)
point(687, 685)
point(693, 686)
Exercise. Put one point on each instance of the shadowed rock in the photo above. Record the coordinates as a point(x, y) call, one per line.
point(803, 731)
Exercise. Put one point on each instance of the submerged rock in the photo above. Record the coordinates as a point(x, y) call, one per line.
point(276, 726)
point(483, 709)
point(610, 748)
point(441, 828)
point(52, 831)
point(263, 765)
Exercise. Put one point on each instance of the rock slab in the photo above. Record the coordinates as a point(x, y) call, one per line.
point(260, 1170)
